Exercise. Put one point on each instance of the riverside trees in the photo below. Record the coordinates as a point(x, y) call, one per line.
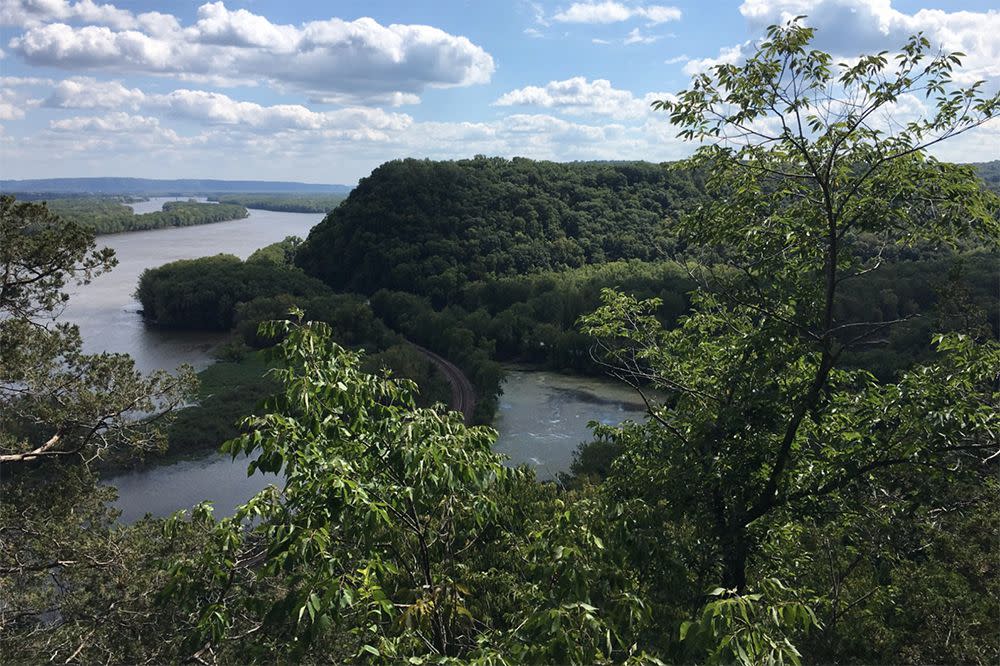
point(67, 573)
point(765, 440)
point(397, 534)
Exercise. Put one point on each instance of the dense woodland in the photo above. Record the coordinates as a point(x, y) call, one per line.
point(289, 203)
point(811, 317)
point(110, 215)
point(431, 227)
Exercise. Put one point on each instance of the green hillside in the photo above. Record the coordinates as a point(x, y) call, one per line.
point(430, 227)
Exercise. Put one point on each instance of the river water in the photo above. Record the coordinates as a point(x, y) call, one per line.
point(542, 417)
point(106, 312)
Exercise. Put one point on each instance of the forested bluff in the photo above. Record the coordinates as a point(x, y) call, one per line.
point(812, 320)
point(489, 261)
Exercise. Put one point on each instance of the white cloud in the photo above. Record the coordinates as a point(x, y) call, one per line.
point(850, 27)
point(33, 12)
point(88, 93)
point(214, 108)
point(141, 145)
point(636, 37)
point(359, 60)
point(112, 122)
point(616, 12)
point(9, 107)
point(14, 98)
point(13, 81)
point(676, 60)
point(728, 55)
point(578, 96)
point(218, 25)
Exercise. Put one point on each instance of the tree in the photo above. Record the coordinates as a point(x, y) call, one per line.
point(762, 426)
point(61, 557)
point(383, 507)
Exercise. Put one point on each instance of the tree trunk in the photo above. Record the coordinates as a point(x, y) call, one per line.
point(735, 550)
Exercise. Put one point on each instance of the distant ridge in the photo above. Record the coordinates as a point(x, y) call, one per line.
point(174, 187)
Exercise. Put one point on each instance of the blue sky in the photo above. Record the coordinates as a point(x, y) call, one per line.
point(326, 91)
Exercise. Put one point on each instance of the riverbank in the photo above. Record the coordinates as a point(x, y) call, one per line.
point(229, 390)
point(111, 215)
point(542, 420)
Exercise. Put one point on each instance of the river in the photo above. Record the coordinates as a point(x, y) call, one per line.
point(106, 312)
point(542, 417)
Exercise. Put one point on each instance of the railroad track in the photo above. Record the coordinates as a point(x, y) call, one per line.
point(463, 396)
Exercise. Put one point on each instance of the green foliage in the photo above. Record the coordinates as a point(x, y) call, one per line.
point(289, 203)
point(204, 293)
point(383, 507)
point(764, 426)
point(749, 629)
point(990, 173)
point(281, 253)
point(110, 215)
point(228, 392)
point(73, 585)
point(430, 227)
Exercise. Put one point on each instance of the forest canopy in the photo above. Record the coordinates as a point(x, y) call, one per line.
point(430, 227)
point(108, 215)
point(779, 504)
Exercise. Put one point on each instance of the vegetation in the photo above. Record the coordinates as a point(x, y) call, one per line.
point(204, 293)
point(288, 203)
point(431, 227)
point(768, 460)
point(990, 173)
point(764, 433)
point(780, 504)
point(69, 578)
point(111, 216)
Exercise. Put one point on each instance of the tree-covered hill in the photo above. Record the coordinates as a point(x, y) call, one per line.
point(430, 227)
point(990, 173)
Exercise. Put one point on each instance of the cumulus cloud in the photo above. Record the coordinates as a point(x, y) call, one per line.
point(635, 36)
point(214, 108)
point(850, 27)
point(578, 96)
point(360, 61)
point(728, 55)
point(9, 108)
point(112, 122)
point(33, 12)
point(88, 93)
point(616, 12)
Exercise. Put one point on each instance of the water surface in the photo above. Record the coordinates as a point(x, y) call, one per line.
point(107, 313)
point(543, 416)
point(542, 420)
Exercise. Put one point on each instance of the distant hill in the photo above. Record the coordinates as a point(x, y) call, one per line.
point(429, 227)
point(165, 187)
point(989, 172)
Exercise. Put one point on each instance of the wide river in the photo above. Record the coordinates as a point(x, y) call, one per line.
point(542, 418)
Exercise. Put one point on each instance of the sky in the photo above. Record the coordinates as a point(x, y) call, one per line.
point(324, 91)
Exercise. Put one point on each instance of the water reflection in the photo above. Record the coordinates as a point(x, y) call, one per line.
point(543, 416)
point(107, 313)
